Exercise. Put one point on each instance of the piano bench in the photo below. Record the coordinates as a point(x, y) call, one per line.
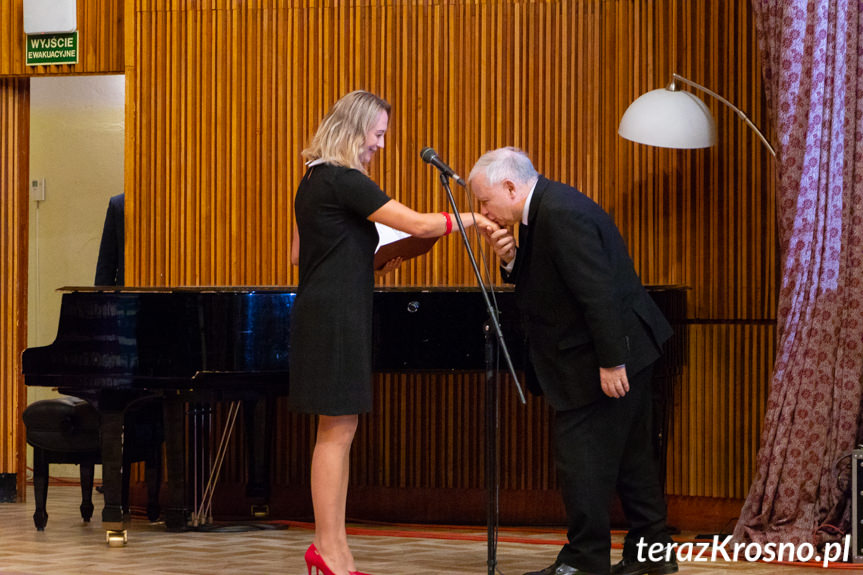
point(66, 430)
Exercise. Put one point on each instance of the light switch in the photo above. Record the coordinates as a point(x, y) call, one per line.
point(37, 190)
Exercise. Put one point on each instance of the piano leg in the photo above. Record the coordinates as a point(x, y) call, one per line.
point(87, 472)
point(113, 519)
point(40, 487)
point(175, 461)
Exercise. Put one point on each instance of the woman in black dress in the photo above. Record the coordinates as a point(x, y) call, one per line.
point(334, 242)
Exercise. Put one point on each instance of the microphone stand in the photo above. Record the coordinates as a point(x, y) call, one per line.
point(490, 328)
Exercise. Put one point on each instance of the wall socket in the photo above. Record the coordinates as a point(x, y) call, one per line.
point(37, 190)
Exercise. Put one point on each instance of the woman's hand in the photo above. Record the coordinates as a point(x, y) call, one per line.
point(388, 267)
point(481, 221)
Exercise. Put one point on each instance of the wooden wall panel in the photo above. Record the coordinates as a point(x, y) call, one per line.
point(719, 408)
point(14, 172)
point(222, 97)
point(243, 101)
point(100, 40)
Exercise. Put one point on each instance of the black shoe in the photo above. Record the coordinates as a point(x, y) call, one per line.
point(626, 567)
point(558, 568)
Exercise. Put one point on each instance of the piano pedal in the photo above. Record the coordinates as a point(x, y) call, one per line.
point(260, 511)
point(116, 538)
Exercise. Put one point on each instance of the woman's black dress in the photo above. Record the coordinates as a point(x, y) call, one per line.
point(331, 321)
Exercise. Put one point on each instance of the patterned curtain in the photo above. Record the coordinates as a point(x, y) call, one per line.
point(813, 72)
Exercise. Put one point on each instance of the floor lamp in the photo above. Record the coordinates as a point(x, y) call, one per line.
point(672, 118)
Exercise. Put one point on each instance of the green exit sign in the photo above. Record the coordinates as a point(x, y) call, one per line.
point(52, 49)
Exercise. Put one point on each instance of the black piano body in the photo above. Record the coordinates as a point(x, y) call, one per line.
point(116, 346)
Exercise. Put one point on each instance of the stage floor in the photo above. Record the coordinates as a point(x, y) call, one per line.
point(69, 546)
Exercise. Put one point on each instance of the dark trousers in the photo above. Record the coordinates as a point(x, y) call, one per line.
point(600, 447)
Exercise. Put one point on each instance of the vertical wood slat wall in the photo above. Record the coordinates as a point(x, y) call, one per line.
point(224, 95)
point(224, 103)
point(15, 122)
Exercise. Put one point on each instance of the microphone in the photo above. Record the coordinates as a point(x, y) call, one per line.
point(429, 156)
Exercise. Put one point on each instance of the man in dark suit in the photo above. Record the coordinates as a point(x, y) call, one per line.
point(143, 426)
point(593, 335)
point(110, 269)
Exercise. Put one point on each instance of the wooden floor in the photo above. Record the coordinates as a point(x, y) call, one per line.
point(69, 546)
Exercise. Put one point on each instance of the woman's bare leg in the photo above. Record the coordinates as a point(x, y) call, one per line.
point(330, 473)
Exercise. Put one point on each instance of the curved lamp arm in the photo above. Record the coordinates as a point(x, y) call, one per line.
point(672, 87)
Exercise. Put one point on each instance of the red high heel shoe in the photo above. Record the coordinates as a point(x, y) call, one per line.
point(314, 559)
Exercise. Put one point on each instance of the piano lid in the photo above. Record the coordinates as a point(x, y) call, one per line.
point(185, 336)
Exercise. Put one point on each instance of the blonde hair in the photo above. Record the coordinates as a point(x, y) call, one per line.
point(342, 133)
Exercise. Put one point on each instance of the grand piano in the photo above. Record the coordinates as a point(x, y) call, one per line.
point(119, 346)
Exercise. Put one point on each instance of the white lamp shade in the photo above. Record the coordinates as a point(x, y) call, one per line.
point(669, 120)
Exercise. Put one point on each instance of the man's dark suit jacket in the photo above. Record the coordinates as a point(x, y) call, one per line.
point(110, 268)
point(582, 303)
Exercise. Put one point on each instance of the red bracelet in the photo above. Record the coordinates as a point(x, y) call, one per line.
point(448, 223)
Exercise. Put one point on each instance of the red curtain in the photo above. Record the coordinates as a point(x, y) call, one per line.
point(813, 72)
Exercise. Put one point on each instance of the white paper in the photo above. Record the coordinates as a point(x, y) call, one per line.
point(388, 235)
